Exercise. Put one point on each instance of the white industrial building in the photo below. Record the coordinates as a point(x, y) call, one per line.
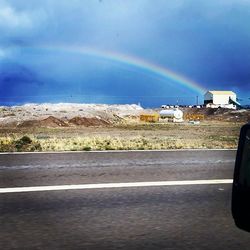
point(223, 99)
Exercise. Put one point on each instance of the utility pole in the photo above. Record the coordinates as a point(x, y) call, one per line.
point(197, 100)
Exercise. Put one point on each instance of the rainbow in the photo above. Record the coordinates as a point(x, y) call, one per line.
point(131, 61)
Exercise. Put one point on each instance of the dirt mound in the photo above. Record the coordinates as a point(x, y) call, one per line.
point(52, 121)
point(221, 114)
point(29, 124)
point(87, 122)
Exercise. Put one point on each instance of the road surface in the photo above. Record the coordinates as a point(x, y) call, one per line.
point(180, 216)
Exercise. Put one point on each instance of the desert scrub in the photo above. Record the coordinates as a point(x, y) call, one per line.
point(24, 144)
point(144, 126)
point(6, 143)
point(125, 137)
point(221, 141)
point(42, 136)
point(105, 143)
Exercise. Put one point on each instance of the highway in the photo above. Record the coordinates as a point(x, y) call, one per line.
point(119, 200)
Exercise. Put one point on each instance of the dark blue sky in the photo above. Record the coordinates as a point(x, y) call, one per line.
point(205, 41)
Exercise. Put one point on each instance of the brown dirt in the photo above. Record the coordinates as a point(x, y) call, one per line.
point(28, 124)
point(221, 114)
point(87, 122)
point(51, 121)
point(210, 115)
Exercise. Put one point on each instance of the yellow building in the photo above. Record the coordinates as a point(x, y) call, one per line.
point(149, 117)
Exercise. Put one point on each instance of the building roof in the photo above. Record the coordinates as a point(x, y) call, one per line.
point(216, 92)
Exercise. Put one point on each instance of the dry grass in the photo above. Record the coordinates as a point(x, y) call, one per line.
point(127, 136)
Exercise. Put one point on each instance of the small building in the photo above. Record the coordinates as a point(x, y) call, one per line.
point(149, 117)
point(223, 99)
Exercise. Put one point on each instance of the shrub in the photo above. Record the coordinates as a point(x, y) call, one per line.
point(25, 140)
point(26, 144)
point(87, 149)
point(22, 143)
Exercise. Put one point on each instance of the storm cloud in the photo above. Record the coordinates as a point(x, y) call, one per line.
point(206, 41)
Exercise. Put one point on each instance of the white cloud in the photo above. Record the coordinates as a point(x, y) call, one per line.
point(6, 52)
point(10, 18)
point(2, 53)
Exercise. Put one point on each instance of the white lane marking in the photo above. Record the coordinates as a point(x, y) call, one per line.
point(114, 185)
point(119, 151)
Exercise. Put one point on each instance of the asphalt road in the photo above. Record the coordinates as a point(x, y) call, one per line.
point(164, 217)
